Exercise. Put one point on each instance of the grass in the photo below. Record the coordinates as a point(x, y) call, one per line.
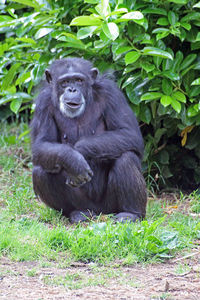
point(79, 280)
point(31, 231)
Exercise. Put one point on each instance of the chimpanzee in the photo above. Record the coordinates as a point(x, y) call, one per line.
point(86, 145)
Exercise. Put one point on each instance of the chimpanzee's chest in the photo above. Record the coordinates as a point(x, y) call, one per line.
point(71, 130)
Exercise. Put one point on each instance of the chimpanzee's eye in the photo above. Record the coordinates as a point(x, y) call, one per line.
point(64, 83)
point(79, 80)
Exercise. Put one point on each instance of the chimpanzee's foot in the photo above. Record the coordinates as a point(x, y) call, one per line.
point(77, 216)
point(126, 217)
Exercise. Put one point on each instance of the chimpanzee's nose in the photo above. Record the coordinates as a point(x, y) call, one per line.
point(71, 90)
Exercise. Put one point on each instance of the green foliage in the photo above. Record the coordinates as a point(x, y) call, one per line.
point(152, 45)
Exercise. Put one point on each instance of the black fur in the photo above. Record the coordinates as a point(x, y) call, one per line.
point(91, 162)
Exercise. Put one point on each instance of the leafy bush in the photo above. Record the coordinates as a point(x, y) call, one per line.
point(152, 46)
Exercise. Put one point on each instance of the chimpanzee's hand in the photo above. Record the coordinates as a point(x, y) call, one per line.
point(80, 179)
point(79, 172)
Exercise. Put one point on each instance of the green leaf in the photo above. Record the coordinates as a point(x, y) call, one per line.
point(133, 15)
point(86, 21)
point(176, 105)
point(26, 40)
point(15, 105)
point(162, 35)
point(179, 96)
point(111, 30)
point(104, 37)
point(91, 1)
point(4, 18)
point(191, 16)
point(103, 8)
point(196, 81)
point(160, 30)
point(195, 46)
point(73, 41)
point(123, 49)
point(172, 18)
point(194, 91)
point(98, 44)
point(198, 37)
point(131, 79)
point(193, 110)
point(179, 1)
point(171, 75)
point(71, 45)
point(23, 78)
point(42, 32)
point(166, 100)
point(167, 86)
point(31, 3)
point(151, 96)
point(9, 98)
point(187, 26)
point(65, 36)
point(170, 239)
point(11, 140)
point(177, 61)
point(157, 61)
point(10, 76)
point(145, 114)
point(119, 11)
point(131, 57)
point(158, 11)
point(197, 5)
point(157, 52)
point(85, 32)
point(148, 67)
point(132, 94)
point(187, 61)
point(159, 133)
point(23, 134)
point(162, 21)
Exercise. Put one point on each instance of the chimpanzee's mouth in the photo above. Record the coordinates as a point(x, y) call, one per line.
point(73, 105)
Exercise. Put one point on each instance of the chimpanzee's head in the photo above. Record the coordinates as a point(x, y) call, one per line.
point(71, 81)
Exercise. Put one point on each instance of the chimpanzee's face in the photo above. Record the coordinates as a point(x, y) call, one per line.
point(72, 88)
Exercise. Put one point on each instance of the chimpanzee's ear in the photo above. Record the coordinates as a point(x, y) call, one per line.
point(48, 76)
point(94, 73)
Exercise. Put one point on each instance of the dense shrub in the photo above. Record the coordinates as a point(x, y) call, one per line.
point(153, 46)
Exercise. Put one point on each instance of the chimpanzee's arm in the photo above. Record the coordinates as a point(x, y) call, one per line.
point(123, 133)
point(47, 152)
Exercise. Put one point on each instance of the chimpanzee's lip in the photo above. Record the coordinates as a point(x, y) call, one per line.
point(73, 105)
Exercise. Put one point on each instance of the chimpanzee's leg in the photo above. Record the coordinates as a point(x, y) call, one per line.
point(126, 190)
point(52, 190)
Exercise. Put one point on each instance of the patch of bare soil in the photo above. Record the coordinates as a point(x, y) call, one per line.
point(175, 279)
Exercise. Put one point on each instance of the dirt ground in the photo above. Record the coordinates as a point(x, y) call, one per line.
point(178, 278)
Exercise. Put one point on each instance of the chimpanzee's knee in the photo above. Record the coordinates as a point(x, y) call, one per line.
point(52, 190)
point(126, 185)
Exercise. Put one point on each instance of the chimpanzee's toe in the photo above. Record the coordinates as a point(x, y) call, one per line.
point(126, 217)
point(77, 216)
